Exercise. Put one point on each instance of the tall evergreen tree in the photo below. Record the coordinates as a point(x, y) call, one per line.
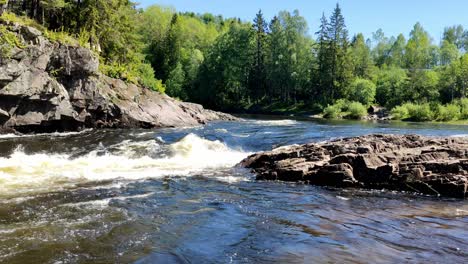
point(258, 73)
point(322, 75)
point(339, 56)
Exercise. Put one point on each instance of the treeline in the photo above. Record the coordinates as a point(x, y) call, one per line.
point(229, 64)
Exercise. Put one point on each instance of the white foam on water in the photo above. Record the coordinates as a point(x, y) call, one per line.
point(460, 135)
point(105, 202)
point(55, 134)
point(22, 174)
point(285, 122)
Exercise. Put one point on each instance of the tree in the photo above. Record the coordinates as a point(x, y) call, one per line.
point(224, 76)
point(361, 57)
point(381, 47)
point(448, 52)
point(323, 75)
point(339, 57)
point(391, 86)
point(455, 35)
point(418, 49)
point(175, 83)
point(258, 73)
point(276, 63)
point(396, 55)
point(362, 90)
point(172, 46)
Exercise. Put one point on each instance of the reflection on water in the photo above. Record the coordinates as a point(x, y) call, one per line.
point(172, 196)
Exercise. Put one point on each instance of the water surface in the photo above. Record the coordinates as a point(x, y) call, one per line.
point(173, 196)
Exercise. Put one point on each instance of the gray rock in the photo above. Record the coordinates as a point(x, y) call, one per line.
point(49, 87)
point(70, 61)
point(30, 33)
point(437, 166)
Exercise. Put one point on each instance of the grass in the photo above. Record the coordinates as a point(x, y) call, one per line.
point(59, 36)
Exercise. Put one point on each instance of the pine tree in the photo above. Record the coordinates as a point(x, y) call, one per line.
point(258, 73)
point(172, 45)
point(323, 81)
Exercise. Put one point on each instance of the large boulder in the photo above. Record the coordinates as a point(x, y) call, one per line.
point(431, 165)
point(47, 87)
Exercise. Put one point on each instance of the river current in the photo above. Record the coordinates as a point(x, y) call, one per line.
point(175, 196)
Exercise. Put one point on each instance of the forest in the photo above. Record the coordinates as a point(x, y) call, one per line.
point(264, 66)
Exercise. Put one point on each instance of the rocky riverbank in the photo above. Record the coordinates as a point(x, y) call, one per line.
point(47, 86)
point(428, 165)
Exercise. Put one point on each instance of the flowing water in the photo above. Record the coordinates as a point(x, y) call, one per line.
point(174, 196)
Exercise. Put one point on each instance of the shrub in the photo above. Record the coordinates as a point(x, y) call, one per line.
point(147, 78)
point(343, 108)
point(447, 113)
point(356, 110)
point(400, 112)
point(420, 112)
point(332, 112)
point(8, 40)
point(463, 104)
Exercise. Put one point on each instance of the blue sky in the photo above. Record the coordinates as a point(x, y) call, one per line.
point(366, 16)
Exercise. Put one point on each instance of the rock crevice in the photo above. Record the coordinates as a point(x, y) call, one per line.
point(429, 165)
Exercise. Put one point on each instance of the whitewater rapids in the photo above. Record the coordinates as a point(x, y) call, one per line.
point(25, 174)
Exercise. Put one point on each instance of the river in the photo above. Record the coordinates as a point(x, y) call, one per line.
point(174, 196)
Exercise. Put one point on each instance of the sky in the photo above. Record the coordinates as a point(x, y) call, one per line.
point(362, 16)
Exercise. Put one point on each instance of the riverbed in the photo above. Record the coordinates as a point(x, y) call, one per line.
point(175, 196)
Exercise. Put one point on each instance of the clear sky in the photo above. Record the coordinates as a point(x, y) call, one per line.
point(366, 16)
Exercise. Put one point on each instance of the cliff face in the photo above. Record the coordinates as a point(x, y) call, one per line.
point(47, 86)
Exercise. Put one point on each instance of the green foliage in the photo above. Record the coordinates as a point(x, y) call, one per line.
point(8, 41)
point(391, 85)
point(420, 112)
point(345, 109)
point(449, 112)
point(147, 79)
point(356, 110)
point(431, 112)
point(362, 90)
point(61, 37)
point(413, 112)
point(400, 112)
point(463, 104)
point(175, 83)
point(333, 112)
point(229, 64)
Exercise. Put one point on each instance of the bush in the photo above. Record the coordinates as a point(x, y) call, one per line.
point(400, 112)
point(345, 109)
point(413, 112)
point(447, 113)
point(420, 112)
point(356, 110)
point(463, 104)
point(8, 40)
point(147, 78)
point(332, 112)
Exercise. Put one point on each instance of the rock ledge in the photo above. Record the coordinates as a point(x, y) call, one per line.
point(47, 86)
point(428, 165)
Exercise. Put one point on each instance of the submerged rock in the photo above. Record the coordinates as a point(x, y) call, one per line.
point(429, 165)
point(47, 87)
